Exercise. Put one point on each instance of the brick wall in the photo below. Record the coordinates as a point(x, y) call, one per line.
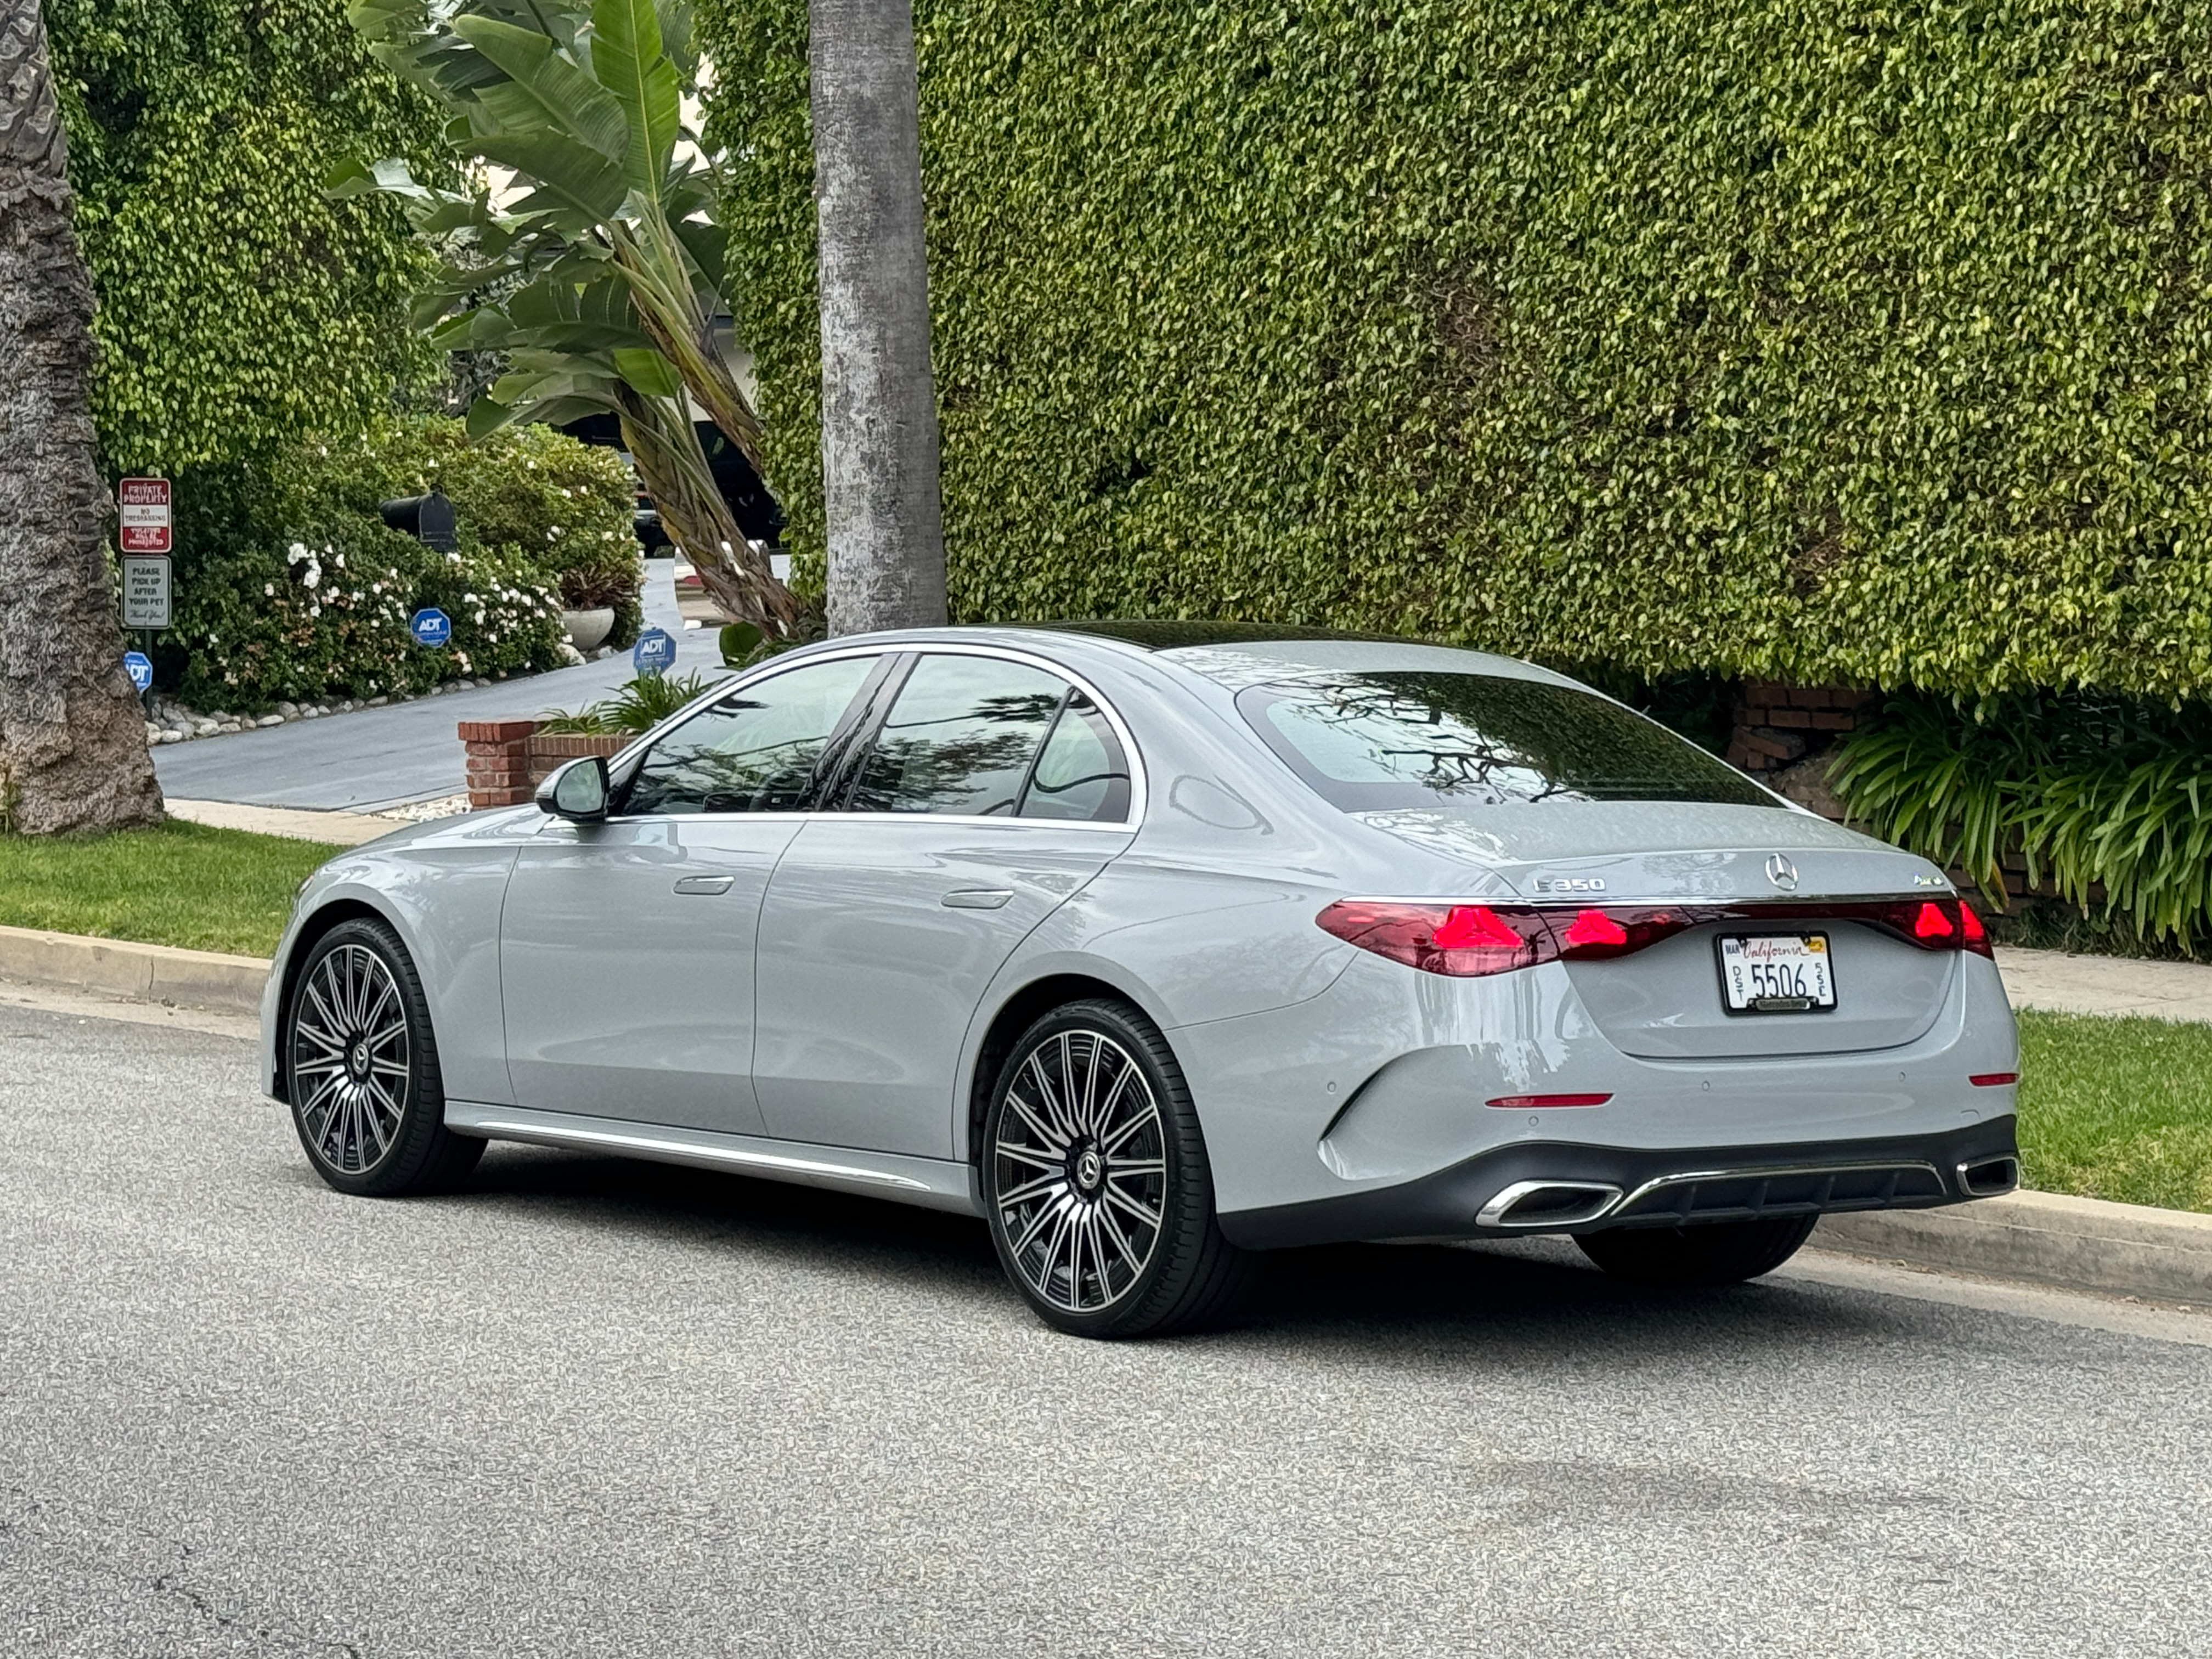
point(1776, 725)
point(508, 759)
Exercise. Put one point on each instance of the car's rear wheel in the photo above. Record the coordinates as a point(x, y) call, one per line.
point(1096, 1180)
point(1711, 1253)
point(362, 1069)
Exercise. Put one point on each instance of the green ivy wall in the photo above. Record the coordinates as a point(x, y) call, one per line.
point(237, 307)
point(1821, 340)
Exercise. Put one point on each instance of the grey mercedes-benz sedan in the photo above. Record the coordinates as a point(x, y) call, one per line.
point(1155, 945)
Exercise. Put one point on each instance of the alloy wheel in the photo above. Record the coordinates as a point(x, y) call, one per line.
point(351, 1062)
point(1080, 1171)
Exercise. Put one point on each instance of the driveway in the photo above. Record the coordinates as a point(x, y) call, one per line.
point(405, 752)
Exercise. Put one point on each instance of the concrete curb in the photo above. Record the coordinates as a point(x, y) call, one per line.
point(2044, 1238)
point(139, 973)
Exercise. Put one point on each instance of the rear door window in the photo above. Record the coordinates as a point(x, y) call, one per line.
point(960, 740)
point(1382, 740)
point(1083, 776)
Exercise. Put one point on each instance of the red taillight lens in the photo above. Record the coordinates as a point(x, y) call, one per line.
point(1464, 941)
point(1517, 1101)
point(1932, 922)
point(1594, 928)
point(1973, 936)
point(1474, 928)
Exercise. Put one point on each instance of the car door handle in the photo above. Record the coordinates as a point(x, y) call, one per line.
point(705, 884)
point(976, 898)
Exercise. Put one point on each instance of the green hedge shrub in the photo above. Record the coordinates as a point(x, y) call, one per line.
point(292, 588)
point(1815, 341)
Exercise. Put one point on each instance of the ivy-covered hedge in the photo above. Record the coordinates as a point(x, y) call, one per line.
point(299, 591)
point(1814, 341)
point(238, 305)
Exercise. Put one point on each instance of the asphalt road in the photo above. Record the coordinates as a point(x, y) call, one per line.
point(403, 752)
point(597, 1408)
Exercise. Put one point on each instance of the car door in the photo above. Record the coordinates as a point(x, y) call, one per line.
point(990, 792)
point(626, 947)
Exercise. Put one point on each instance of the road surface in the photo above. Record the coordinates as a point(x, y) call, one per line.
point(595, 1408)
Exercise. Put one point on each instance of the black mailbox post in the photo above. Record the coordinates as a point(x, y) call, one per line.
point(428, 519)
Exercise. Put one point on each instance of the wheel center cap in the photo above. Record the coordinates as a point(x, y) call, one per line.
point(357, 1057)
point(1090, 1169)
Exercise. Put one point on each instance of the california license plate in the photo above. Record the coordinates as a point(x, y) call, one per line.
point(1777, 973)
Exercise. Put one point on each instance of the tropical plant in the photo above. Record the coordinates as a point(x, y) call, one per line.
point(2110, 799)
point(601, 247)
point(72, 738)
point(637, 705)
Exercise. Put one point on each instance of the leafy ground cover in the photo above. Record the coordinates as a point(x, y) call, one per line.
point(181, 884)
point(2117, 1109)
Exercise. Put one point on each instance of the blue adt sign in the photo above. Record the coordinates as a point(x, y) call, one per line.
point(654, 651)
point(141, 669)
point(431, 627)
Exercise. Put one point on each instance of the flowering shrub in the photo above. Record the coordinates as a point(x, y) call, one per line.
point(303, 593)
point(331, 620)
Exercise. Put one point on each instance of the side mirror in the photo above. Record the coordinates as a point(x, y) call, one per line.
point(578, 791)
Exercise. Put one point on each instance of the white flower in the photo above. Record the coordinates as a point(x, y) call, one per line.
point(297, 552)
point(606, 535)
point(564, 489)
point(314, 574)
point(452, 558)
point(529, 467)
point(270, 588)
point(551, 531)
point(341, 561)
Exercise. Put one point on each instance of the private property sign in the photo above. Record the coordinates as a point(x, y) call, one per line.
point(144, 505)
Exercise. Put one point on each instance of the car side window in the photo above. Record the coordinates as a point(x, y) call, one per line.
point(754, 750)
point(960, 740)
point(1083, 776)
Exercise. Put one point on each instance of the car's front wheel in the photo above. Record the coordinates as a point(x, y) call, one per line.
point(361, 1067)
point(1711, 1253)
point(1097, 1184)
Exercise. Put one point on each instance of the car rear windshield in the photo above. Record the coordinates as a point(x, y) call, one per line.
point(1381, 740)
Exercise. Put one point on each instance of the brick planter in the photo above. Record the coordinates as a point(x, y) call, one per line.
point(508, 759)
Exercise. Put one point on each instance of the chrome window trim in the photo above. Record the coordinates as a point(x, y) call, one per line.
point(1138, 791)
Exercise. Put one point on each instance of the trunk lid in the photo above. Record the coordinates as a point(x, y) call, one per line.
point(1666, 1002)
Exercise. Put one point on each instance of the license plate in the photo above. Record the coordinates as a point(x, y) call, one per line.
point(1777, 973)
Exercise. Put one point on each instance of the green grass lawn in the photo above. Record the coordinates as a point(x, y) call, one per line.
point(183, 884)
point(2118, 1108)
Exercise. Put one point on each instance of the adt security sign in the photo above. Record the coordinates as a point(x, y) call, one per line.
point(141, 669)
point(432, 628)
point(654, 651)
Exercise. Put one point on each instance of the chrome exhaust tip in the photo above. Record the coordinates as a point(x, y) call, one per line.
point(1989, 1177)
point(1539, 1204)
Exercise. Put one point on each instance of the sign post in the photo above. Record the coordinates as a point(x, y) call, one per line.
point(145, 536)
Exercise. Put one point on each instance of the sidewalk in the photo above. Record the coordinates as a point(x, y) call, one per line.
point(2062, 984)
point(405, 752)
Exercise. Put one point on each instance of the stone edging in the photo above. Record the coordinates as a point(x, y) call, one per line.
point(2044, 1238)
point(140, 973)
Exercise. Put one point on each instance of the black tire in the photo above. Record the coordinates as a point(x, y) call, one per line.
point(370, 1114)
point(1110, 1279)
point(1684, 1258)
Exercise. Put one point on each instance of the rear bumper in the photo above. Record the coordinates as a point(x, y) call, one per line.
point(1568, 1187)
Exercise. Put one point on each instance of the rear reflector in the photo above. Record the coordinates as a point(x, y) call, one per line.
point(1993, 1079)
point(1468, 941)
point(1517, 1101)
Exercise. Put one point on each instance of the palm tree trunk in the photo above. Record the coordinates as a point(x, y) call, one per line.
point(878, 404)
point(72, 738)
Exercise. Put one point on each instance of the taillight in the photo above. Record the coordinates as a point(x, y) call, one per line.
point(1467, 941)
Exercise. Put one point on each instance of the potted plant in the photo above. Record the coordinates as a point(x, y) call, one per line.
point(588, 594)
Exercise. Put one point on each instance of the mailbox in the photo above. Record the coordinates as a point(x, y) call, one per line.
point(428, 519)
